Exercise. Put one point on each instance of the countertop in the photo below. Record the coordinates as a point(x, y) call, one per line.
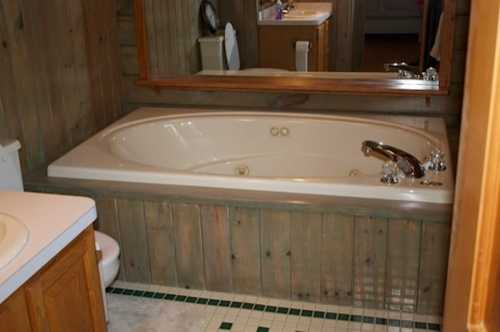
point(53, 222)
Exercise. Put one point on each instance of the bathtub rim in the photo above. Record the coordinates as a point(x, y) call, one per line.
point(150, 114)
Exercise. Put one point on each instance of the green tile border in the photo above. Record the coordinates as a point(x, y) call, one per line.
point(273, 309)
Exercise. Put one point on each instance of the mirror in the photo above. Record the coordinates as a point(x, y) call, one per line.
point(357, 46)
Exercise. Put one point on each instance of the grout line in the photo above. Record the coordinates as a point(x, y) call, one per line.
point(278, 310)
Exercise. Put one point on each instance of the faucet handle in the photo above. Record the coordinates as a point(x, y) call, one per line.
point(437, 161)
point(391, 174)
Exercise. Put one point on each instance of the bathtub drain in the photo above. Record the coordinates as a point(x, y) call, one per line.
point(242, 170)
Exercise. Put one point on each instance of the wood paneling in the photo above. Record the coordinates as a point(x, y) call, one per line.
point(217, 247)
point(245, 254)
point(305, 259)
point(60, 74)
point(344, 254)
point(275, 253)
point(172, 32)
point(188, 246)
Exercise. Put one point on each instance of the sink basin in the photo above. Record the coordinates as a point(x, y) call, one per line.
point(302, 13)
point(13, 238)
point(307, 13)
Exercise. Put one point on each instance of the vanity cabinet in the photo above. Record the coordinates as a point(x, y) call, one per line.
point(65, 295)
point(277, 46)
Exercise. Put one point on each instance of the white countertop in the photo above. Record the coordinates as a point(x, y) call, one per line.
point(323, 10)
point(53, 222)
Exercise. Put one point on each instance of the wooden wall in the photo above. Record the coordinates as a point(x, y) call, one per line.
point(60, 79)
point(243, 16)
point(178, 54)
point(448, 107)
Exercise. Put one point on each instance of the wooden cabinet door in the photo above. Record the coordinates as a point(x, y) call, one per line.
point(277, 46)
point(14, 313)
point(66, 295)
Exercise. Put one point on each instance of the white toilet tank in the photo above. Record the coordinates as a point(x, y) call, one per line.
point(10, 168)
point(212, 53)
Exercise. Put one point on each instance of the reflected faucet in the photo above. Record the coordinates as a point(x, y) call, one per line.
point(407, 163)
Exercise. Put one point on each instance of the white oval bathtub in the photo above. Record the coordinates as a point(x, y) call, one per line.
point(278, 152)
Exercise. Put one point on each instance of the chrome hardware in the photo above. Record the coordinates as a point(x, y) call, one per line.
point(406, 71)
point(242, 170)
point(436, 161)
point(431, 74)
point(391, 173)
point(407, 163)
point(284, 131)
point(275, 131)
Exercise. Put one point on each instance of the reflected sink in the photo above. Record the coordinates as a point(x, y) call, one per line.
point(302, 13)
point(13, 238)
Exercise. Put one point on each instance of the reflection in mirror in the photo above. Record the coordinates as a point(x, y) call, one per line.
point(365, 39)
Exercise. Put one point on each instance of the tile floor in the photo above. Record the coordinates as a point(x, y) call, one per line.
point(146, 308)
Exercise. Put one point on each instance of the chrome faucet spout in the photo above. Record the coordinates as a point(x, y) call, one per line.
point(409, 164)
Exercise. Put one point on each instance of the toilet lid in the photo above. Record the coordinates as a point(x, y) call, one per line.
point(108, 246)
point(232, 51)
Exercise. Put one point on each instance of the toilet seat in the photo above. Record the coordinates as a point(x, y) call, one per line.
point(232, 50)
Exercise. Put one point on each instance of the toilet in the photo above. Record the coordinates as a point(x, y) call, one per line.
point(222, 53)
point(109, 265)
point(11, 180)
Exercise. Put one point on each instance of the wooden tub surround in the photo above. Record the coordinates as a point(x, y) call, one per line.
point(370, 254)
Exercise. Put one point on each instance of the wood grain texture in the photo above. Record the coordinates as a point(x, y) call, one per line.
point(161, 243)
point(333, 255)
point(14, 314)
point(403, 262)
point(216, 247)
point(65, 295)
point(337, 257)
point(433, 267)
point(133, 240)
point(370, 252)
point(70, 89)
point(245, 226)
point(188, 246)
point(275, 253)
point(305, 259)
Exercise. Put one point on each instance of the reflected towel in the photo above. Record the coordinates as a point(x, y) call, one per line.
point(436, 49)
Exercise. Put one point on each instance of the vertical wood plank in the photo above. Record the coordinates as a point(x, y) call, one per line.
point(107, 218)
point(305, 264)
point(337, 249)
point(188, 246)
point(370, 251)
point(275, 252)
point(433, 267)
point(133, 239)
point(245, 250)
point(403, 251)
point(161, 243)
point(216, 247)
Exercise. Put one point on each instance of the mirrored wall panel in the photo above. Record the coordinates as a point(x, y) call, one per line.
point(365, 39)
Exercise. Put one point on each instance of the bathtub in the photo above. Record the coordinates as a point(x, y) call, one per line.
point(260, 151)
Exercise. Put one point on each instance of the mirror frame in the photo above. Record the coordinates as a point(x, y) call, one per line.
point(390, 87)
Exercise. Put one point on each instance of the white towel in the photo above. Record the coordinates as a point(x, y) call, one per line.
point(301, 55)
point(436, 49)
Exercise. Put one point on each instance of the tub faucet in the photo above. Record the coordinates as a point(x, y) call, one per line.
point(407, 163)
